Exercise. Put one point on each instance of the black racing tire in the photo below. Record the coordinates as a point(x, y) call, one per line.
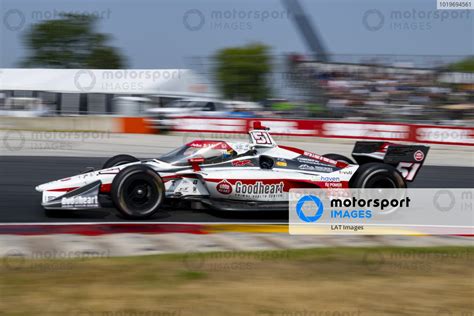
point(338, 157)
point(378, 175)
point(137, 192)
point(119, 160)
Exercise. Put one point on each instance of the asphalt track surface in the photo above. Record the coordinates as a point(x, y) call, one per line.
point(20, 203)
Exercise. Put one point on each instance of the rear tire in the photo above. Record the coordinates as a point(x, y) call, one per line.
point(378, 175)
point(119, 160)
point(338, 157)
point(137, 192)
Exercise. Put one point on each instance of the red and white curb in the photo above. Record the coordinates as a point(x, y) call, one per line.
point(173, 238)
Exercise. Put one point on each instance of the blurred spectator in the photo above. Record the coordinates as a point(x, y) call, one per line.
point(385, 92)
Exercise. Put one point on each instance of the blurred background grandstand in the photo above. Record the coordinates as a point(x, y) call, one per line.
point(363, 87)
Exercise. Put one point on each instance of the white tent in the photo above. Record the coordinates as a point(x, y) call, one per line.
point(172, 82)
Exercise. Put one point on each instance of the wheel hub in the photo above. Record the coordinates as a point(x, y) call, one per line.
point(140, 192)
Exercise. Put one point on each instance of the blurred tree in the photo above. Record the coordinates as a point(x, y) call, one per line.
point(70, 42)
point(465, 65)
point(242, 72)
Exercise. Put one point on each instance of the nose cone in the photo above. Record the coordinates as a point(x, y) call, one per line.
point(58, 184)
point(48, 186)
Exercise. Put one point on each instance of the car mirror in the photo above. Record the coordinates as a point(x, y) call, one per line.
point(195, 162)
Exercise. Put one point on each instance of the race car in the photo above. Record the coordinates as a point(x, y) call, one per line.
point(230, 176)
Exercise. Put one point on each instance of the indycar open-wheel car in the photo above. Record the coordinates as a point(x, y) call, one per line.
point(230, 176)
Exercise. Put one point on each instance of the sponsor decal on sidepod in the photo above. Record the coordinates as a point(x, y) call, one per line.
point(224, 187)
point(243, 163)
point(281, 163)
point(258, 188)
point(255, 189)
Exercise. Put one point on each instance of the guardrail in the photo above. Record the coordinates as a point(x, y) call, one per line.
point(433, 134)
point(414, 133)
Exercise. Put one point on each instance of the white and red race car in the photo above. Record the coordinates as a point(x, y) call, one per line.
point(222, 175)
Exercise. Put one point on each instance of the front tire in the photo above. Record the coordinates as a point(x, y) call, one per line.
point(119, 160)
point(137, 192)
point(376, 175)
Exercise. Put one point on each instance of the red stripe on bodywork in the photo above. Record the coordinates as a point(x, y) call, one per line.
point(105, 188)
point(62, 189)
point(288, 183)
point(181, 176)
point(169, 178)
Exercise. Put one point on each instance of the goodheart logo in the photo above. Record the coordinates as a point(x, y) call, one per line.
point(224, 187)
point(79, 201)
point(259, 188)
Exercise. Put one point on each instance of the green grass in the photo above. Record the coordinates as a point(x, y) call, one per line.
point(368, 281)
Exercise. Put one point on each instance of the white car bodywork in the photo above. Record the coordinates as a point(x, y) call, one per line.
point(240, 177)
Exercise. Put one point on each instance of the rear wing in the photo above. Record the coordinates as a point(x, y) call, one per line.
point(408, 159)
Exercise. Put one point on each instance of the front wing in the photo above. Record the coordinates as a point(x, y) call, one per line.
point(86, 197)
